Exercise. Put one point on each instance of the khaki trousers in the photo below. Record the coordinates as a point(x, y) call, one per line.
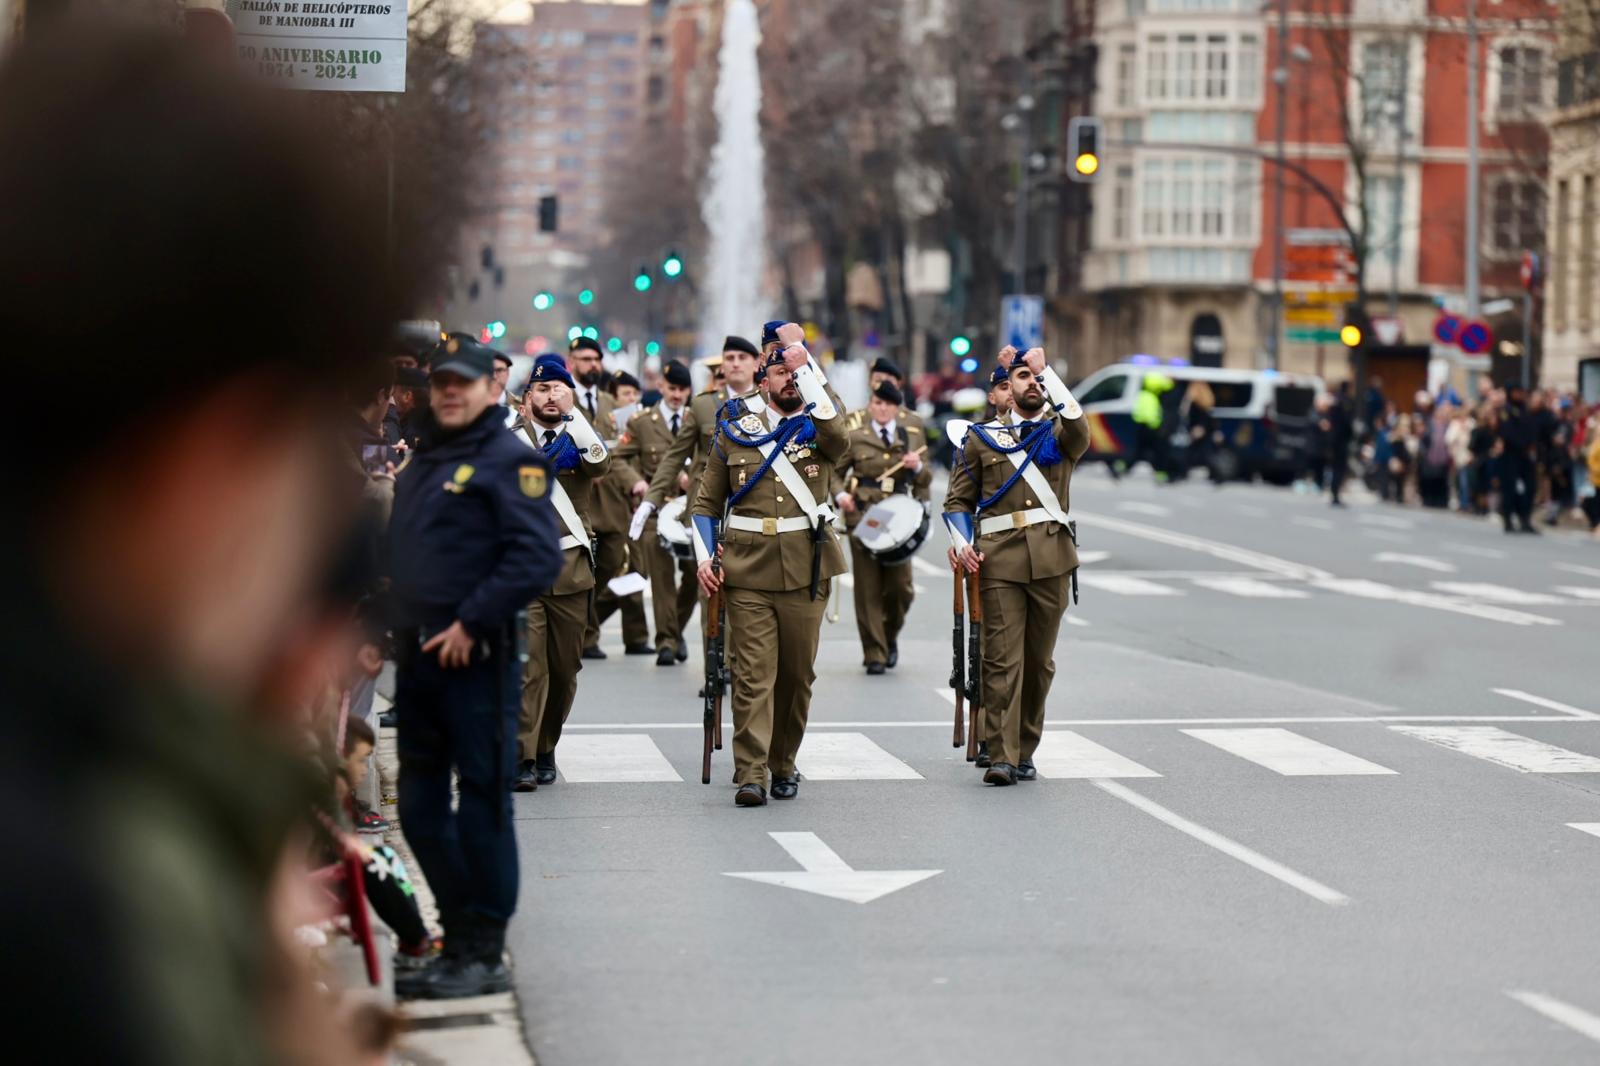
point(773, 636)
point(550, 678)
point(612, 560)
point(883, 595)
point(1020, 623)
point(673, 588)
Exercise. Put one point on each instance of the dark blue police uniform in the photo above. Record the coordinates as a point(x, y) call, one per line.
point(473, 538)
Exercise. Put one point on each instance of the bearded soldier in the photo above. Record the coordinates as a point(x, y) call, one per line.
point(767, 478)
point(552, 424)
point(885, 457)
point(1006, 513)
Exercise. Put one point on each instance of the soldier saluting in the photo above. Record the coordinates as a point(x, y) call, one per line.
point(1006, 513)
point(769, 473)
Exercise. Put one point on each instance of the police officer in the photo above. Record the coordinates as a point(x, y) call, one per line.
point(610, 511)
point(886, 456)
point(769, 473)
point(473, 539)
point(554, 426)
point(1006, 513)
point(650, 436)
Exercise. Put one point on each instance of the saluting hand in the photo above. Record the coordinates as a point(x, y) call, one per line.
point(1034, 359)
point(1008, 355)
point(795, 357)
point(790, 333)
point(454, 645)
point(565, 398)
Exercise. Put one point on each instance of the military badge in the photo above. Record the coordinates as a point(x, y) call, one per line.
point(1072, 409)
point(464, 473)
point(1003, 439)
point(597, 452)
point(530, 479)
point(750, 424)
point(812, 470)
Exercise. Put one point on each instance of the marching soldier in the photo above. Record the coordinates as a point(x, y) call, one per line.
point(575, 452)
point(769, 474)
point(1006, 513)
point(610, 513)
point(999, 394)
point(885, 369)
point(650, 436)
point(886, 456)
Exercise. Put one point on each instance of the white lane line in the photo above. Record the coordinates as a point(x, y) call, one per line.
point(1063, 753)
point(1231, 848)
point(1074, 620)
point(1154, 510)
point(1592, 828)
point(1125, 585)
point(1286, 753)
point(1090, 558)
point(1386, 521)
point(1482, 590)
point(1574, 568)
point(1251, 588)
point(1579, 1021)
point(1064, 723)
point(1216, 549)
point(1425, 562)
point(1311, 523)
point(1495, 745)
point(1547, 704)
point(1473, 549)
point(1579, 592)
point(850, 757)
point(1376, 590)
point(624, 757)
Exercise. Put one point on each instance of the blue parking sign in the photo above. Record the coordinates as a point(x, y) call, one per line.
point(1022, 322)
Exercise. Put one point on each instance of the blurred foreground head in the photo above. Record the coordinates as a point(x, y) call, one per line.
point(187, 285)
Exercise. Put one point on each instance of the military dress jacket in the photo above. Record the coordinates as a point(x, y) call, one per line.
point(775, 561)
point(646, 442)
point(582, 484)
point(861, 416)
point(611, 511)
point(860, 472)
point(691, 447)
point(1020, 553)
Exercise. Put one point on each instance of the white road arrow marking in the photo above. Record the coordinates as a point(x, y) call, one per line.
point(1423, 561)
point(826, 874)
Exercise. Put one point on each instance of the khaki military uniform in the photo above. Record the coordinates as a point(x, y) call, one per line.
point(648, 439)
point(883, 594)
point(612, 512)
point(774, 624)
point(1027, 568)
point(556, 619)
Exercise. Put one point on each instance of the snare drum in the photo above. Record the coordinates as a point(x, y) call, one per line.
point(671, 530)
point(893, 529)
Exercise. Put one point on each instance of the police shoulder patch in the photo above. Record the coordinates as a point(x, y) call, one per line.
point(531, 480)
point(464, 473)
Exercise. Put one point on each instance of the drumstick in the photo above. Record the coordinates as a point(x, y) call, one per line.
point(895, 469)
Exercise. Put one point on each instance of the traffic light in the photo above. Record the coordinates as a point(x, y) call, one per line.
point(574, 333)
point(642, 280)
point(1083, 148)
point(1350, 335)
point(547, 214)
point(672, 266)
point(960, 345)
point(652, 348)
point(586, 297)
point(592, 333)
point(497, 329)
point(543, 301)
point(1357, 327)
point(614, 344)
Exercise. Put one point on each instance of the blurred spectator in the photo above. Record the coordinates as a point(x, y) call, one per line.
point(1337, 433)
point(411, 405)
point(166, 556)
point(1591, 502)
point(1433, 457)
point(1516, 467)
point(1195, 411)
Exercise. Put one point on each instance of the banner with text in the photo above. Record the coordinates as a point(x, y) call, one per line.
point(317, 44)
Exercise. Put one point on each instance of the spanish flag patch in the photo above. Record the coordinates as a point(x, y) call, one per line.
point(532, 481)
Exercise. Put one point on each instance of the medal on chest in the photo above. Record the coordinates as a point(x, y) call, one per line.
point(1004, 439)
point(750, 424)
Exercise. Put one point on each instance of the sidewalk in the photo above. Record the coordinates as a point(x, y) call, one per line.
point(458, 1032)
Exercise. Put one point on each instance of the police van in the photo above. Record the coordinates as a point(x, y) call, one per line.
point(1265, 420)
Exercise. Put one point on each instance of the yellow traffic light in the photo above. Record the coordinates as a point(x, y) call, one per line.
point(1086, 164)
point(1350, 336)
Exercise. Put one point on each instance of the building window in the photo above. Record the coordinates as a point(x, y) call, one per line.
point(1156, 57)
point(1577, 80)
point(1246, 188)
point(1515, 206)
point(1153, 201)
point(1186, 67)
point(1182, 197)
point(1216, 67)
point(1381, 63)
point(1558, 260)
point(1249, 81)
point(1521, 79)
point(1127, 62)
point(1383, 222)
point(1122, 204)
point(1213, 196)
point(1586, 222)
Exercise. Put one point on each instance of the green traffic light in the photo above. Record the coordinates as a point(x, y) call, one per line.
point(586, 297)
point(960, 345)
point(652, 348)
point(574, 333)
point(641, 282)
point(497, 329)
point(543, 301)
point(673, 265)
point(614, 344)
point(592, 333)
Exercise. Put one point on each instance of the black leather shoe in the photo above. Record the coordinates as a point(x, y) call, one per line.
point(639, 649)
point(545, 768)
point(1026, 771)
point(894, 655)
point(664, 657)
point(593, 652)
point(983, 755)
point(457, 978)
point(786, 788)
point(874, 669)
point(1001, 773)
point(683, 652)
point(527, 779)
point(750, 796)
point(388, 720)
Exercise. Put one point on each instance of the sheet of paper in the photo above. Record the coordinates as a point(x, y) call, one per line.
point(627, 584)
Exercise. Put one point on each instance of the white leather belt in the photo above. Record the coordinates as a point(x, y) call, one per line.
point(769, 527)
point(1015, 520)
point(570, 542)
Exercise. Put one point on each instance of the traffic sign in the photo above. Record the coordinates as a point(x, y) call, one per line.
point(1318, 297)
point(1474, 338)
point(1530, 270)
point(1446, 328)
point(1312, 335)
point(1311, 316)
point(1022, 321)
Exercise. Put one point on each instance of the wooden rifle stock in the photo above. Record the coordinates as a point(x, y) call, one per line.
point(711, 722)
point(974, 664)
point(958, 651)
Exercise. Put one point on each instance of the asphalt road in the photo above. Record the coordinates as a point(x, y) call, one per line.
point(1307, 795)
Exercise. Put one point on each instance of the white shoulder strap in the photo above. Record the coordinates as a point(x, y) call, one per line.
point(1041, 488)
point(795, 484)
point(562, 503)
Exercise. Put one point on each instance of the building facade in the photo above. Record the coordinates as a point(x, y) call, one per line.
point(1571, 320)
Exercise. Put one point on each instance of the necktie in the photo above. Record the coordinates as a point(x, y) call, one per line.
point(588, 401)
point(549, 437)
point(888, 442)
point(674, 423)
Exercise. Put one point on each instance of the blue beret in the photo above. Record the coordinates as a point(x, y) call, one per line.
point(769, 332)
point(551, 368)
point(998, 375)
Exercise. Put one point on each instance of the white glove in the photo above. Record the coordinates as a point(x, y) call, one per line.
point(641, 515)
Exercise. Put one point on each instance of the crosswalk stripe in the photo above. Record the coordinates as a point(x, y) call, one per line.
point(1578, 592)
point(1063, 753)
point(1495, 745)
point(1592, 828)
point(1251, 588)
point(1287, 753)
point(1482, 590)
point(1377, 590)
point(1124, 585)
point(850, 757)
point(1579, 1021)
point(613, 758)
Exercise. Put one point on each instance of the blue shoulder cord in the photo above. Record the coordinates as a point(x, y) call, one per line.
point(1039, 446)
point(790, 431)
point(562, 453)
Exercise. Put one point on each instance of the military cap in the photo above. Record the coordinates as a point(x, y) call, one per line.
point(462, 355)
point(769, 332)
point(551, 367)
point(675, 373)
point(997, 375)
point(622, 377)
point(887, 390)
point(581, 343)
point(885, 365)
point(739, 344)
